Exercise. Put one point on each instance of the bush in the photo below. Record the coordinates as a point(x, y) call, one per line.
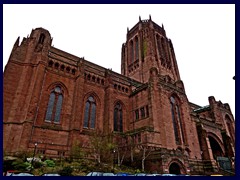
point(66, 171)
point(20, 165)
point(37, 164)
point(49, 163)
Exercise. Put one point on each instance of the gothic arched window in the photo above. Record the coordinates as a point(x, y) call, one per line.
point(159, 45)
point(131, 52)
point(118, 118)
point(90, 113)
point(41, 38)
point(163, 48)
point(54, 105)
point(177, 121)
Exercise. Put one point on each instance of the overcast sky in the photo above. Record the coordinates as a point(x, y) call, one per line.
point(203, 37)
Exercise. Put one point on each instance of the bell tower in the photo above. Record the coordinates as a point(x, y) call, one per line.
point(147, 46)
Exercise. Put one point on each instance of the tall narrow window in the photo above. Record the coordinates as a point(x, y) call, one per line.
point(175, 119)
point(54, 105)
point(41, 38)
point(147, 111)
point(142, 112)
point(174, 124)
point(136, 48)
point(118, 119)
point(58, 108)
point(181, 123)
point(131, 52)
point(90, 113)
point(159, 45)
point(163, 48)
point(137, 114)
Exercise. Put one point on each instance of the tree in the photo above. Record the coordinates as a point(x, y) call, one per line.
point(146, 151)
point(121, 152)
point(132, 148)
point(102, 147)
point(95, 145)
point(77, 151)
point(120, 148)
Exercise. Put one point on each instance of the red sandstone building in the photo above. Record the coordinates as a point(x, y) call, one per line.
point(54, 98)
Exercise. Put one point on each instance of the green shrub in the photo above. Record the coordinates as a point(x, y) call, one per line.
point(20, 165)
point(37, 164)
point(49, 163)
point(66, 171)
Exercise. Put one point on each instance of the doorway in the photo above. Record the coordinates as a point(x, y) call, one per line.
point(174, 168)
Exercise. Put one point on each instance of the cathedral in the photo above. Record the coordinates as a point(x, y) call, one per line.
point(52, 98)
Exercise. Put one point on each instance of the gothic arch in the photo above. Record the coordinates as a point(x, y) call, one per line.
point(58, 83)
point(91, 106)
point(92, 93)
point(180, 134)
point(56, 96)
point(119, 116)
point(175, 166)
point(175, 95)
point(41, 38)
point(216, 144)
point(119, 101)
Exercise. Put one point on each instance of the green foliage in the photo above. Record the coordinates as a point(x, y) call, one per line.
point(66, 171)
point(49, 163)
point(28, 165)
point(78, 167)
point(77, 151)
point(20, 165)
point(37, 164)
point(102, 147)
point(137, 171)
point(111, 146)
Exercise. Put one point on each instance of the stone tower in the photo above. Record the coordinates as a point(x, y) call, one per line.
point(147, 46)
point(23, 78)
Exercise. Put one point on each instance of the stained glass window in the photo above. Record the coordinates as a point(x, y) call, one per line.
point(50, 106)
point(58, 108)
point(93, 116)
point(115, 119)
point(175, 128)
point(118, 118)
point(90, 113)
point(178, 124)
point(54, 105)
point(136, 50)
point(132, 52)
point(86, 114)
